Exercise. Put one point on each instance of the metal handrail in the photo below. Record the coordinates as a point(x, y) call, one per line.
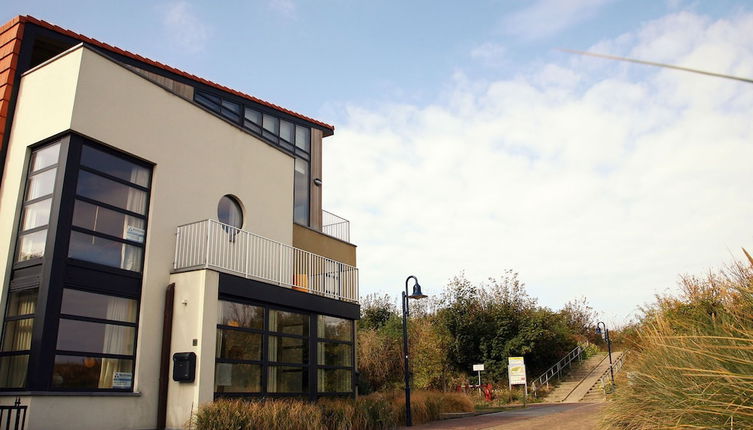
point(335, 226)
point(605, 379)
point(557, 368)
point(212, 244)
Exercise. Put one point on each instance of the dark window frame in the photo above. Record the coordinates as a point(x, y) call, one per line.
point(132, 357)
point(310, 367)
point(55, 271)
point(145, 216)
point(351, 368)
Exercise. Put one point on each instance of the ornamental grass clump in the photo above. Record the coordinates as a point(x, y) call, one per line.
point(259, 415)
point(692, 365)
point(373, 412)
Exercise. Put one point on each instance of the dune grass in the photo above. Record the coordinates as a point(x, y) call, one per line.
point(692, 365)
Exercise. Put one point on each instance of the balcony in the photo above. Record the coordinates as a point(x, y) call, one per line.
point(335, 226)
point(210, 244)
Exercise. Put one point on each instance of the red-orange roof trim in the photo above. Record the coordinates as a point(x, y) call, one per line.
point(115, 49)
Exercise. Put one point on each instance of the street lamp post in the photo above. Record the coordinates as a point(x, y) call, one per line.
point(417, 294)
point(609, 347)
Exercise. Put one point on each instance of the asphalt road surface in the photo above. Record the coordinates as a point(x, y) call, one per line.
point(559, 416)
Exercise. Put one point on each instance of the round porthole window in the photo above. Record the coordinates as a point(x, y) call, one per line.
point(229, 211)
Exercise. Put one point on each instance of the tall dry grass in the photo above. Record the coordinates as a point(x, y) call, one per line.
point(378, 411)
point(693, 361)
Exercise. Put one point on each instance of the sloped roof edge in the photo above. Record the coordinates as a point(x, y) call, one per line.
point(115, 49)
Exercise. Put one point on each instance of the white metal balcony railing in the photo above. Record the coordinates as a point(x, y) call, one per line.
point(335, 226)
point(210, 244)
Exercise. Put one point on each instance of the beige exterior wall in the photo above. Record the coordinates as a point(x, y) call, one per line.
point(194, 317)
point(322, 244)
point(44, 108)
point(198, 159)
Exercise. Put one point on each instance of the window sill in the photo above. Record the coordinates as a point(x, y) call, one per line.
point(71, 393)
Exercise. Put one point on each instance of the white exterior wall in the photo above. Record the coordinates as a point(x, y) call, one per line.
point(194, 317)
point(44, 108)
point(198, 159)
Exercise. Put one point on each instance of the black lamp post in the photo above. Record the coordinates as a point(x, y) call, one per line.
point(417, 294)
point(609, 346)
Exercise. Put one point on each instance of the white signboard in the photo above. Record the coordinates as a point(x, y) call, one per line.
point(516, 370)
point(135, 234)
point(122, 379)
point(478, 367)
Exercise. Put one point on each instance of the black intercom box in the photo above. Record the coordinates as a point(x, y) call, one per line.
point(184, 366)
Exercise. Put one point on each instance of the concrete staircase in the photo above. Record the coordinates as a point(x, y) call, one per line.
point(575, 378)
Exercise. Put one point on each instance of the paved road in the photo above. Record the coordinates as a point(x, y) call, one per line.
point(562, 416)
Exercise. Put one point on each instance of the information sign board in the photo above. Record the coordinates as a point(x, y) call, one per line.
point(516, 370)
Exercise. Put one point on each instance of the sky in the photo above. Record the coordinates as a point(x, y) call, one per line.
point(466, 142)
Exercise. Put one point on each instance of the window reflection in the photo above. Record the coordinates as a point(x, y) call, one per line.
point(110, 192)
point(104, 251)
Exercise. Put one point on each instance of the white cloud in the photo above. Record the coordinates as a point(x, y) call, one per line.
point(184, 29)
point(545, 18)
point(608, 188)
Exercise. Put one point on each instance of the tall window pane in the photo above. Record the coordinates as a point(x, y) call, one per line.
point(238, 345)
point(104, 251)
point(335, 328)
point(36, 215)
point(31, 245)
point(286, 131)
point(101, 306)
point(115, 166)
point(13, 371)
point(103, 220)
point(288, 349)
point(288, 322)
point(45, 157)
point(335, 354)
point(284, 379)
point(303, 138)
point(237, 378)
point(41, 184)
point(240, 315)
point(301, 192)
point(92, 372)
point(22, 302)
point(85, 336)
point(113, 193)
point(17, 335)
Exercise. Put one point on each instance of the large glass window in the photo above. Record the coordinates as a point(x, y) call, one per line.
point(109, 217)
point(273, 128)
point(96, 341)
point(239, 348)
point(37, 202)
point(334, 354)
point(16, 342)
point(301, 192)
point(262, 350)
